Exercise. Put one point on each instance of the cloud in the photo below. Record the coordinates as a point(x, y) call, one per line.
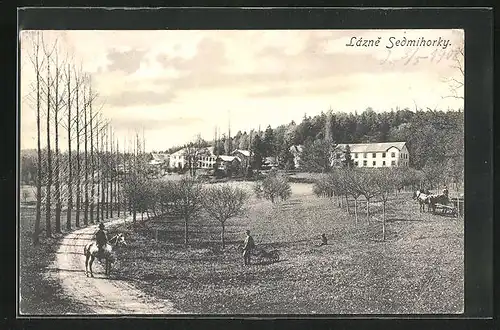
point(126, 61)
point(211, 68)
point(128, 123)
point(133, 98)
point(210, 56)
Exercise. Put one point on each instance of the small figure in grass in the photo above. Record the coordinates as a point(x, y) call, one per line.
point(324, 241)
point(248, 246)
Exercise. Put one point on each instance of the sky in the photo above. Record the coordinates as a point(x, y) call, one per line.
point(176, 84)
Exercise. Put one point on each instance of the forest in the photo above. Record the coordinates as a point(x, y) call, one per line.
point(435, 138)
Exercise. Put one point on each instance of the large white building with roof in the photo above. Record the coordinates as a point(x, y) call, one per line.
point(386, 154)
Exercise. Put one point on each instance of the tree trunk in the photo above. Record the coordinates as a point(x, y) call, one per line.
point(356, 210)
point(111, 183)
point(48, 227)
point(36, 234)
point(57, 183)
point(70, 167)
point(185, 230)
point(78, 168)
point(383, 220)
point(222, 236)
point(347, 205)
point(103, 177)
point(368, 209)
point(107, 172)
point(92, 166)
point(98, 168)
point(86, 168)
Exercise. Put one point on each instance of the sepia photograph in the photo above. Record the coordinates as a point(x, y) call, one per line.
point(241, 172)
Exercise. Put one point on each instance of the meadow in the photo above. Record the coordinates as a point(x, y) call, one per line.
point(39, 292)
point(419, 268)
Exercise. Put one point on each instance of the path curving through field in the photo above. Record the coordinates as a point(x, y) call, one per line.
point(100, 294)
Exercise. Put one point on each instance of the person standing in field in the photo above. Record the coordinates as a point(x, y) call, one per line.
point(249, 244)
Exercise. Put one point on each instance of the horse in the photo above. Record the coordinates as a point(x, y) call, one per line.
point(91, 252)
point(422, 198)
point(437, 199)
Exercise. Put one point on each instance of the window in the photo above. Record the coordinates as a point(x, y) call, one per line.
point(365, 155)
point(393, 163)
point(356, 163)
point(383, 155)
point(374, 155)
point(355, 155)
point(364, 162)
point(374, 163)
point(393, 154)
point(383, 163)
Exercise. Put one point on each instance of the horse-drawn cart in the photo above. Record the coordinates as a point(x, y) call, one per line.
point(445, 209)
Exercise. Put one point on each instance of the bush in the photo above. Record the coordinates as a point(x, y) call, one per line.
point(273, 187)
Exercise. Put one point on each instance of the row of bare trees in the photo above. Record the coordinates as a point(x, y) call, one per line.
point(346, 183)
point(185, 199)
point(83, 177)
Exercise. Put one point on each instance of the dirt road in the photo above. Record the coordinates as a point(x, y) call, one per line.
point(101, 294)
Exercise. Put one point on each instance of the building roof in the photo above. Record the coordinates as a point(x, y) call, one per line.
point(243, 152)
point(159, 156)
point(372, 147)
point(228, 158)
point(155, 162)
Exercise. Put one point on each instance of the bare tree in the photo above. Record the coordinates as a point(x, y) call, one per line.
point(117, 172)
point(103, 173)
point(92, 158)
point(68, 131)
point(352, 183)
point(48, 227)
point(367, 189)
point(107, 171)
point(192, 154)
point(111, 172)
point(383, 181)
point(78, 155)
point(37, 64)
point(275, 186)
point(456, 84)
point(188, 202)
point(58, 100)
point(224, 202)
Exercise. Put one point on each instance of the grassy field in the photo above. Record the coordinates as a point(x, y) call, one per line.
point(418, 269)
point(40, 294)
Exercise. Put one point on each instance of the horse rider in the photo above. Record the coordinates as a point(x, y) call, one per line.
point(248, 245)
point(101, 240)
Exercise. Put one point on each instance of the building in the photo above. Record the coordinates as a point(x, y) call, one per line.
point(205, 156)
point(386, 154)
point(177, 159)
point(269, 162)
point(159, 159)
point(243, 156)
point(229, 163)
